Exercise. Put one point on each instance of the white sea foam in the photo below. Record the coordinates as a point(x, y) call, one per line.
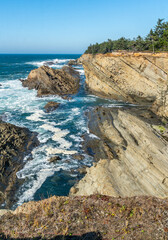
point(51, 63)
point(76, 138)
point(82, 72)
point(42, 175)
point(51, 151)
point(49, 127)
point(58, 135)
point(93, 136)
point(37, 116)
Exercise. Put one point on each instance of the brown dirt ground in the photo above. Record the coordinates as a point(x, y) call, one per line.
point(93, 217)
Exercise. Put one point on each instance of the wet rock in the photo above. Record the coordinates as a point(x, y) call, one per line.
point(49, 81)
point(51, 106)
point(82, 170)
point(54, 159)
point(67, 98)
point(15, 144)
point(78, 156)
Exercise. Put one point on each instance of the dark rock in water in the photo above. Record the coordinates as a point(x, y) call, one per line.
point(66, 97)
point(49, 63)
point(0, 85)
point(73, 62)
point(78, 156)
point(51, 106)
point(54, 159)
point(49, 81)
point(82, 170)
point(15, 144)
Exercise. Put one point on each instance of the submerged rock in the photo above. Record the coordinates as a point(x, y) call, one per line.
point(140, 78)
point(51, 106)
point(131, 156)
point(54, 159)
point(15, 144)
point(78, 156)
point(49, 81)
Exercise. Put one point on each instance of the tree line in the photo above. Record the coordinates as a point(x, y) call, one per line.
point(155, 41)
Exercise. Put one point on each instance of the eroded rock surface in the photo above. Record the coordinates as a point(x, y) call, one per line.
point(15, 144)
point(49, 81)
point(132, 156)
point(136, 78)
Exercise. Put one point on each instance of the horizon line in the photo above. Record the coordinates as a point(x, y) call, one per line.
point(46, 53)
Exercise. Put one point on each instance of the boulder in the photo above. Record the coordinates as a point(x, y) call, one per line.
point(54, 159)
point(49, 81)
point(51, 106)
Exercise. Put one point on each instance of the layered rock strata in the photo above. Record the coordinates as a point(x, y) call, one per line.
point(49, 81)
point(15, 144)
point(132, 77)
point(132, 156)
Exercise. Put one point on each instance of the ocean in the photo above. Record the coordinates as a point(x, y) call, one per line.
point(59, 132)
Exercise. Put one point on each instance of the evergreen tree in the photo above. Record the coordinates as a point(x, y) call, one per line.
point(156, 40)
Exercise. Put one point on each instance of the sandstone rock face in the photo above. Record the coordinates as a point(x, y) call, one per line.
point(133, 157)
point(48, 81)
point(136, 78)
point(15, 144)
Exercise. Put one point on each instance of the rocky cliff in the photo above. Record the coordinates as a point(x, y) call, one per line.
point(140, 78)
point(49, 81)
point(15, 144)
point(132, 154)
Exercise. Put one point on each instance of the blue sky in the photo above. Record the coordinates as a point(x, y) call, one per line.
point(69, 26)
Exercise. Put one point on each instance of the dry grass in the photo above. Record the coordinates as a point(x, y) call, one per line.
point(114, 218)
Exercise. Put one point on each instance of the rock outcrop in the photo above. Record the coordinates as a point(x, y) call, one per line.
point(49, 81)
point(132, 155)
point(88, 218)
point(15, 144)
point(133, 77)
point(74, 62)
point(51, 106)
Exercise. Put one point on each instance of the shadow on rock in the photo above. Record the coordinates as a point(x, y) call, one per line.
point(87, 236)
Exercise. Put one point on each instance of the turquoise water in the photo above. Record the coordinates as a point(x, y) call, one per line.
point(59, 132)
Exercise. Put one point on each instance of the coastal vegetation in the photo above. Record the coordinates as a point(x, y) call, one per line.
point(156, 40)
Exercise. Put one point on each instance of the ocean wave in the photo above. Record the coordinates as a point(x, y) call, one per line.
point(37, 116)
point(56, 63)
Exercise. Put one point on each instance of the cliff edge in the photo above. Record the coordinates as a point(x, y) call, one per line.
point(140, 78)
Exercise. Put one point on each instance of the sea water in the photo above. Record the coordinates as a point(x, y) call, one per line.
point(59, 132)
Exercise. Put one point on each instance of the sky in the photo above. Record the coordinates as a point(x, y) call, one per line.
point(70, 26)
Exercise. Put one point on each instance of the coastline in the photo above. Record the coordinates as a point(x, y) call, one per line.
point(129, 149)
